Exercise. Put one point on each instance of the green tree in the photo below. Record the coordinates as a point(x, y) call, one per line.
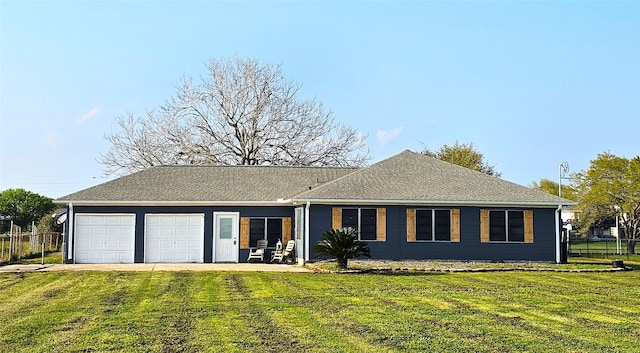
point(609, 188)
point(551, 187)
point(48, 224)
point(464, 155)
point(24, 207)
point(342, 245)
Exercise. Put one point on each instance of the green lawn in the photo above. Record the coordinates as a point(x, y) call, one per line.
point(288, 312)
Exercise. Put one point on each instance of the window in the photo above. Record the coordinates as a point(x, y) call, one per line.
point(433, 225)
point(365, 220)
point(506, 226)
point(265, 228)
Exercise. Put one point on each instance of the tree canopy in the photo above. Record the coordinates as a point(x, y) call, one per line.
point(609, 188)
point(240, 112)
point(463, 155)
point(568, 191)
point(24, 207)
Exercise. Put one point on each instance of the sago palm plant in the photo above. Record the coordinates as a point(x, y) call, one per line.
point(342, 244)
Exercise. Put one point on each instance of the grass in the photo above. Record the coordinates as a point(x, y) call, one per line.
point(287, 312)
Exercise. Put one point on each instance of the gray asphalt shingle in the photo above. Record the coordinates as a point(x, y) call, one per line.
point(209, 183)
point(414, 176)
point(407, 176)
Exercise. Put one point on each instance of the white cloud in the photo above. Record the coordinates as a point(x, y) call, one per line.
point(386, 136)
point(90, 114)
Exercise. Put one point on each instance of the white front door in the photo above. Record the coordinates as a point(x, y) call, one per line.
point(225, 241)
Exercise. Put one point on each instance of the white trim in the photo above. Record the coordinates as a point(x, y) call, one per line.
point(306, 236)
point(439, 203)
point(176, 203)
point(236, 234)
point(295, 202)
point(558, 235)
point(70, 248)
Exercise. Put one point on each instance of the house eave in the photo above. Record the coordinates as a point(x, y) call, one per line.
point(278, 202)
point(535, 204)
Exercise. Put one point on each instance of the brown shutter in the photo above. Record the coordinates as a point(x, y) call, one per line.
point(411, 225)
point(336, 221)
point(382, 225)
point(286, 229)
point(528, 226)
point(484, 226)
point(244, 232)
point(455, 225)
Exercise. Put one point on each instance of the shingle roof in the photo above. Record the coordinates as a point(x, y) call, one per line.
point(208, 184)
point(405, 177)
point(411, 176)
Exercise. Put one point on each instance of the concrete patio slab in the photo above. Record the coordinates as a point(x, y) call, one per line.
point(253, 267)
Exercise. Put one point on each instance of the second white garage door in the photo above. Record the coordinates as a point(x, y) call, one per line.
point(174, 238)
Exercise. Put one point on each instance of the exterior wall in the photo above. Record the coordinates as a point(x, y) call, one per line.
point(395, 247)
point(470, 247)
point(208, 211)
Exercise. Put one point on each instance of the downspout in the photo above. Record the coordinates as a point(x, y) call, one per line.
point(307, 238)
point(70, 247)
point(558, 235)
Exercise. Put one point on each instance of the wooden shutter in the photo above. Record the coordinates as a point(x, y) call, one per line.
point(484, 226)
point(336, 220)
point(286, 229)
point(455, 225)
point(411, 225)
point(382, 225)
point(528, 226)
point(244, 232)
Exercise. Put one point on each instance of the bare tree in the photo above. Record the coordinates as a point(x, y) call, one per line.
point(240, 112)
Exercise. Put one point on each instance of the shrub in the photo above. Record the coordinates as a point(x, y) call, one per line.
point(342, 244)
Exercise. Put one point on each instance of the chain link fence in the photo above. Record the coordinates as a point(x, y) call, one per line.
point(598, 247)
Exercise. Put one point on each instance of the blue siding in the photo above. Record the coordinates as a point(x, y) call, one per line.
point(396, 246)
point(208, 221)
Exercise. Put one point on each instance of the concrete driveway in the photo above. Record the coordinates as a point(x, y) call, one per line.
point(254, 267)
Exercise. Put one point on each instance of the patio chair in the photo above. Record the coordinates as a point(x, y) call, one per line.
point(286, 253)
point(258, 252)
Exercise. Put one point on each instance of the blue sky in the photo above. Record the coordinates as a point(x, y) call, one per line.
point(531, 84)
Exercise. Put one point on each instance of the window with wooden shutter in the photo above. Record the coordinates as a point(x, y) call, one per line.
point(244, 232)
point(382, 225)
point(455, 225)
point(484, 226)
point(528, 226)
point(286, 229)
point(411, 225)
point(336, 219)
point(506, 226)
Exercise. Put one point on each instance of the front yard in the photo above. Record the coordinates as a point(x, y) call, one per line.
point(285, 312)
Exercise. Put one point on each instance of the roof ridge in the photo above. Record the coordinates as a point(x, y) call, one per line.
point(328, 184)
point(243, 166)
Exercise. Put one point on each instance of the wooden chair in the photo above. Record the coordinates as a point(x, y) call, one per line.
point(286, 253)
point(258, 252)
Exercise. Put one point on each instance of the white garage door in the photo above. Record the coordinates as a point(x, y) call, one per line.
point(104, 238)
point(174, 238)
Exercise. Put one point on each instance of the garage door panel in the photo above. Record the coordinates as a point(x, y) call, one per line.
point(174, 238)
point(104, 238)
